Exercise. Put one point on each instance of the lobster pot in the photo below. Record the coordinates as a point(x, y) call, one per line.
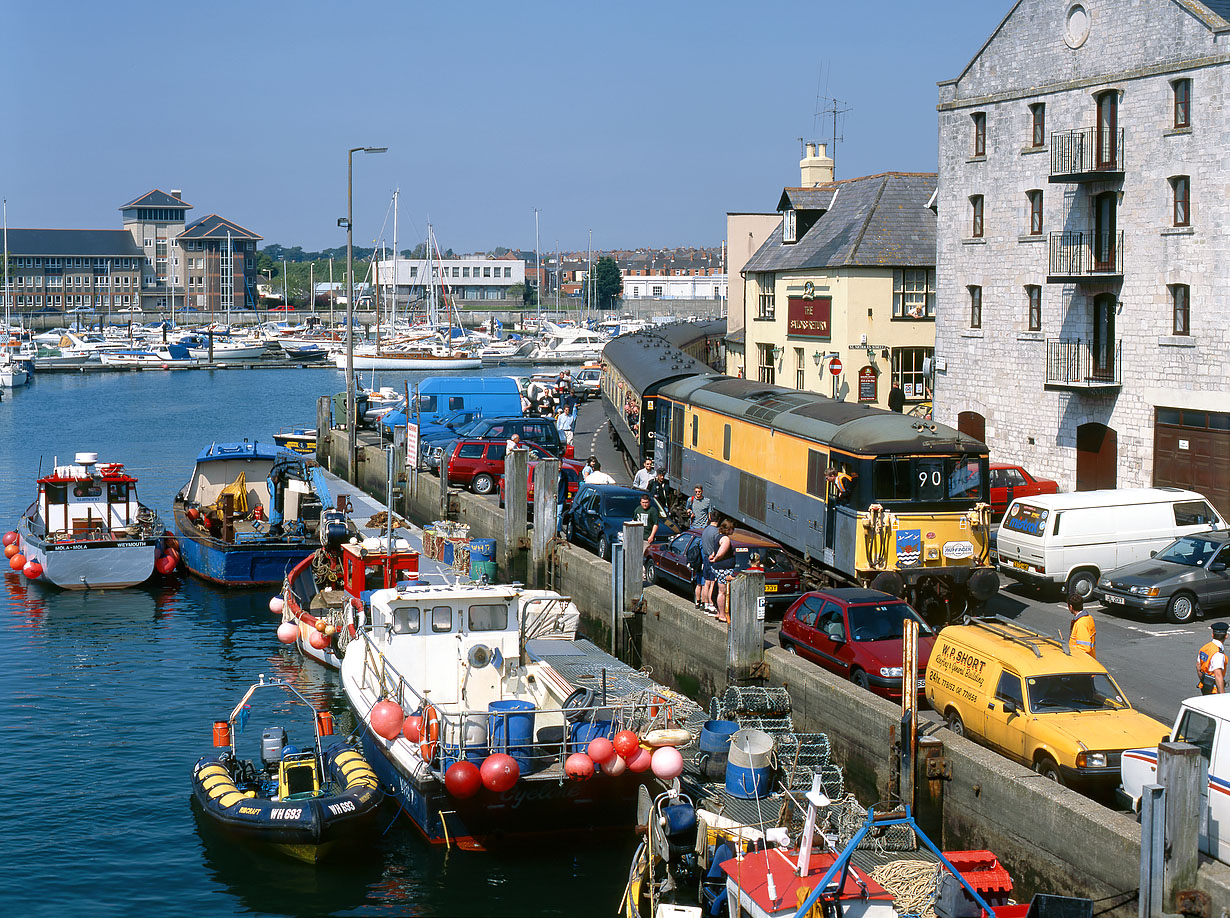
point(461, 556)
point(429, 543)
point(748, 764)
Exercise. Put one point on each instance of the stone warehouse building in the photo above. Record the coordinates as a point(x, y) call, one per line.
point(1082, 243)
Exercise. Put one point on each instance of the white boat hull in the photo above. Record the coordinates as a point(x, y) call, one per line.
point(386, 362)
point(91, 565)
point(221, 353)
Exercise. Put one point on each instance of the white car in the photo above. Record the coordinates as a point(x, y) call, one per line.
point(130, 309)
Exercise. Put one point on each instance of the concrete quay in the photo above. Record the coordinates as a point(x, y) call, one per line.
point(1051, 838)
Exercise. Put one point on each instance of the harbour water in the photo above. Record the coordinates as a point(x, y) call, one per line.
point(109, 698)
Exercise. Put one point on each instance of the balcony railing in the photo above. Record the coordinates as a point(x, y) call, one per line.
point(1086, 155)
point(1085, 257)
point(1073, 363)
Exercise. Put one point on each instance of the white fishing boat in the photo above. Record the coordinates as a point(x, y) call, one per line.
point(172, 355)
point(569, 344)
point(225, 349)
point(421, 354)
point(87, 530)
point(487, 751)
point(12, 371)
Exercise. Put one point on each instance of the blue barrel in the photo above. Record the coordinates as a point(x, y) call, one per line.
point(511, 730)
point(585, 731)
point(749, 764)
point(715, 735)
point(446, 551)
point(482, 559)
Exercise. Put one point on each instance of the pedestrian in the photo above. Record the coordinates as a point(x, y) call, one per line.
point(644, 475)
point(698, 507)
point(896, 399)
point(658, 488)
point(514, 442)
point(709, 538)
point(564, 423)
point(649, 517)
point(1083, 636)
point(1211, 662)
point(597, 476)
point(588, 467)
point(723, 563)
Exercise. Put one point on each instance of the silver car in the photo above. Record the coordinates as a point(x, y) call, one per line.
point(1185, 578)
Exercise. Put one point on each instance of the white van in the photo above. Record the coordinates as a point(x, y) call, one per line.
point(1070, 539)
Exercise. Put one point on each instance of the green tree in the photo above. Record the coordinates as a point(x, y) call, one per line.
point(608, 284)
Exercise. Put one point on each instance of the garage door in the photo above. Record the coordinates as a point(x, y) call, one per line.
point(1191, 449)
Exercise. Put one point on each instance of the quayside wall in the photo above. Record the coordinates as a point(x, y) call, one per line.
point(1052, 838)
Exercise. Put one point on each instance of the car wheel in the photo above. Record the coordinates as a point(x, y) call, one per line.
point(1046, 767)
point(651, 573)
point(1182, 608)
point(604, 548)
point(1081, 583)
point(954, 722)
point(859, 678)
point(483, 484)
point(569, 532)
point(791, 649)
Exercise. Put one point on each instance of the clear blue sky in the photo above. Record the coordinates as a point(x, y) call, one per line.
point(645, 122)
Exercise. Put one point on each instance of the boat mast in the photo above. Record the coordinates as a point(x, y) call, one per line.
point(393, 282)
point(537, 271)
point(6, 267)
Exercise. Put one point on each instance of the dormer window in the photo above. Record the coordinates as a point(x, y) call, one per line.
point(790, 226)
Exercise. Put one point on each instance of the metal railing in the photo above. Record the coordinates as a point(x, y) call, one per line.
point(1085, 254)
point(1086, 152)
point(1077, 363)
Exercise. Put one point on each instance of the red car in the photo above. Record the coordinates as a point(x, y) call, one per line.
point(1009, 482)
point(569, 468)
point(856, 634)
point(668, 564)
point(479, 464)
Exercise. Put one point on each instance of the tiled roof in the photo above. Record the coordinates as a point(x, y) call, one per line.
point(876, 220)
point(215, 227)
point(73, 242)
point(157, 198)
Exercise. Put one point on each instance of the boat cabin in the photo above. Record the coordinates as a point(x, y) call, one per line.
point(367, 566)
point(289, 488)
point(88, 500)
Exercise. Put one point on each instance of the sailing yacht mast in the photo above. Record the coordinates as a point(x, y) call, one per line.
point(393, 286)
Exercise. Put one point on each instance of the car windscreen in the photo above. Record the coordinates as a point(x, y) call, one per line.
point(882, 621)
point(1191, 551)
point(776, 561)
point(1026, 519)
point(453, 418)
point(472, 429)
point(623, 506)
point(1074, 692)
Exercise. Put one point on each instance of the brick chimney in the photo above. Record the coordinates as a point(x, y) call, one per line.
point(177, 194)
point(816, 167)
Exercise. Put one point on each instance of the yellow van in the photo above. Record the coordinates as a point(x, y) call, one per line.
point(1022, 693)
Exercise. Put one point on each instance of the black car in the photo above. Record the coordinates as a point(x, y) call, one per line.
point(598, 513)
point(1187, 576)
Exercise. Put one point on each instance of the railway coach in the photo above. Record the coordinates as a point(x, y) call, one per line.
point(863, 496)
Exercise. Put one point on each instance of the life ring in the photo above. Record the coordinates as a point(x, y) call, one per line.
point(667, 738)
point(430, 733)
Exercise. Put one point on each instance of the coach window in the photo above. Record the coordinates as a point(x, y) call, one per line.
point(726, 443)
point(695, 430)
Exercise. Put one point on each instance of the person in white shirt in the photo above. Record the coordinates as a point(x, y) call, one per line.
point(642, 478)
point(514, 442)
point(565, 423)
point(597, 476)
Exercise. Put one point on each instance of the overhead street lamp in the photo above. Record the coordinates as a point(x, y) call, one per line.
point(352, 426)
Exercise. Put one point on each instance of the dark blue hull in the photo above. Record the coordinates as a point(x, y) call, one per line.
point(249, 564)
point(538, 805)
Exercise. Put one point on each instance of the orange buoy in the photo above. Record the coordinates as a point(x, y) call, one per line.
point(165, 564)
point(9, 538)
point(33, 570)
point(17, 562)
point(319, 640)
point(288, 632)
point(386, 718)
point(11, 549)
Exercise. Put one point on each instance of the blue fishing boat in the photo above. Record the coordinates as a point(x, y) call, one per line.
point(249, 513)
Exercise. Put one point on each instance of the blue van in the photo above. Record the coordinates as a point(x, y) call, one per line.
point(440, 396)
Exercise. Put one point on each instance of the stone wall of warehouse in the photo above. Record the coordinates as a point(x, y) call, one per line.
point(1050, 838)
point(1138, 52)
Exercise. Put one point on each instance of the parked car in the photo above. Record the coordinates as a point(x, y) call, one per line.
point(598, 513)
point(540, 431)
point(1070, 539)
point(479, 464)
point(571, 470)
point(1008, 482)
point(587, 382)
point(1203, 721)
point(668, 564)
point(856, 634)
point(1023, 694)
point(449, 425)
point(1186, 577)
point(130, 309)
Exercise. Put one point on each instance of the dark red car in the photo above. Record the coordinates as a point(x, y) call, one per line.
point(571, 470)
point(479, 464)
point(856, 634)
point(1009, 482)
point(668, 564)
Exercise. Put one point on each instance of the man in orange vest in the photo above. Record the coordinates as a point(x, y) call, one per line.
point(1083, 636)
point(1211, 662)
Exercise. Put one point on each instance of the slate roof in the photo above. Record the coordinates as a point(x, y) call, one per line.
point(817, 198)
point(877, 220)
point(157, 198)
point(74, 242)
point(1219, 7)
point(215, 227)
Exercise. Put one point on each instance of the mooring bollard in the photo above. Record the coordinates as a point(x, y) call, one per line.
point(516, 482)
point(546, 517)
point(745, 639)
point(1180, 769)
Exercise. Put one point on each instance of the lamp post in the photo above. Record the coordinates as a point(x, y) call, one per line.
point(352, 433)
